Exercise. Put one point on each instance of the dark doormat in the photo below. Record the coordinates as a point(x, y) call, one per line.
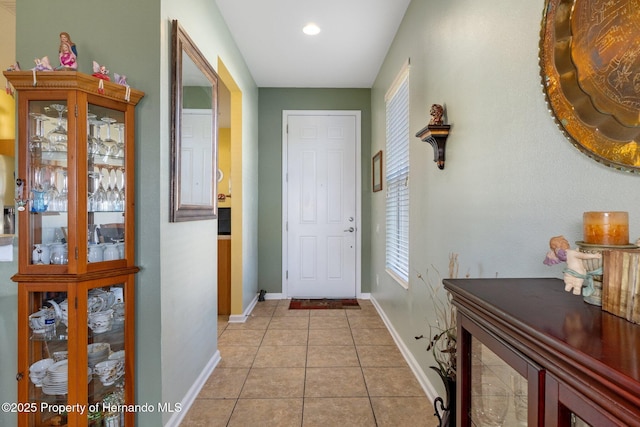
point(319, 304)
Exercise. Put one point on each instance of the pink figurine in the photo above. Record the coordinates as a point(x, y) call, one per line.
point(100, 71)
point(67, 57)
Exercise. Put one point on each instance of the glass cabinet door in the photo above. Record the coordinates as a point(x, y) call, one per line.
point(47, 354)
point(498, 392)
point(106, 147)
point(46, 190)
point(105, 346)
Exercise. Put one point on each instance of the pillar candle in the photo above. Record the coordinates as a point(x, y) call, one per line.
point(606, 228)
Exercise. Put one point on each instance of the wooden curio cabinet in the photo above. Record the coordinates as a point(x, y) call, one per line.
point(76, 271)
point(531, 354)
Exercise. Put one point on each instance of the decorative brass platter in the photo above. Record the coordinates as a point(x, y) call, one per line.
point(590, 67)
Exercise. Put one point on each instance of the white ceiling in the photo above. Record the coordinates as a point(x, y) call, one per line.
point(348, 52)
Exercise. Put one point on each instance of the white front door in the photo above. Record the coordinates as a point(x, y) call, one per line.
point(321, 218)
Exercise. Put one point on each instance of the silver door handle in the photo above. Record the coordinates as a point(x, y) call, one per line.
point(350, 229)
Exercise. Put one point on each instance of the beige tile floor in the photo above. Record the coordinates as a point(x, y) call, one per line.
point(310, 368)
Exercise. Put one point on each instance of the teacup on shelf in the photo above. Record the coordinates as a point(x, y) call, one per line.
point(101, 321)
point(43, 321)
point(38, 371)
point(107, 371)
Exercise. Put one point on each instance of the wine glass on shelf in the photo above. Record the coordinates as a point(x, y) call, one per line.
point(93, 186)
point(113, 193)
point(98, 146)
point(58, 135)
point(52, 190)
point(100, 196)
point(64, 193)
point(37, 140)
point(120, 183)
point(93, 139)
point(120, 142)
point(109, 142)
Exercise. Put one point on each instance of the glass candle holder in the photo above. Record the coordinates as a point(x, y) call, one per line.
point(606, 228)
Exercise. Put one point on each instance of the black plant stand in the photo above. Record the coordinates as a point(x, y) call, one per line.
point(446, 413)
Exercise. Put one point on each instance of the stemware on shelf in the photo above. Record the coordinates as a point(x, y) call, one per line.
point(58, 135)
point(120, 142)
point(110, 143)
point(38, 141)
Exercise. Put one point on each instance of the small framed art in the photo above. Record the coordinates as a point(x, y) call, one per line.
point(376, 170)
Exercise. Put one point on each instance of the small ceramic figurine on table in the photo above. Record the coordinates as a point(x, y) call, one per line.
point(437, 111)
point(575, 273)
point(100, 71)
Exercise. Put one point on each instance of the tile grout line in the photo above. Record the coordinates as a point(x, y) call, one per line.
point(375, 420)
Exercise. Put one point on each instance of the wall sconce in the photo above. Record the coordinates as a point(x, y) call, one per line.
point(436, 134)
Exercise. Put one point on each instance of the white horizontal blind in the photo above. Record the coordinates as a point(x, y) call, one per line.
point(397, 177)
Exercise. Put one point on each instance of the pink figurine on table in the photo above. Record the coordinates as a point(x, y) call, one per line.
point(575, 273)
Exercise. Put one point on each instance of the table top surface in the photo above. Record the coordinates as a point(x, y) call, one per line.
point(540, 307)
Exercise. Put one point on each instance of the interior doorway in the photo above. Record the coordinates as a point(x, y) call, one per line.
point(223, 176)
point(321, 204)
point(230, 262)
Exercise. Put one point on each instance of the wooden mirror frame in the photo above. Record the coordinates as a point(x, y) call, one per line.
point(182, 209)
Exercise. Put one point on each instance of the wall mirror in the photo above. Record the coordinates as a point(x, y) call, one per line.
point(590, 65)
point(194, 131)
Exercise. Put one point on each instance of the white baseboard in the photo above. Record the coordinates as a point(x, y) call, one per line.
point(241, 318)
point(274, 296)
point(193, 392)
point(413, 363)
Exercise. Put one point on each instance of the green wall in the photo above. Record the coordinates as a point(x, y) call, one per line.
point(196, 97)
point(272, 102)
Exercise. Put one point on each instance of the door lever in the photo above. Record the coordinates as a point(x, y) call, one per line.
point(350, 229)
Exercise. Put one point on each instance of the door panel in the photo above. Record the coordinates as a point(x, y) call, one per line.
point(321, 208)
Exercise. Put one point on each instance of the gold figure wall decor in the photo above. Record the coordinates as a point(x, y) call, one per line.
point(590, 68)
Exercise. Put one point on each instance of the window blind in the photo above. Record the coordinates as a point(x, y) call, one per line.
point(397, 177)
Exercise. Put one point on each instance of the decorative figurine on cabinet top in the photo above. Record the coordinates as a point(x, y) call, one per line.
point(68, 53)
point(121, 79)
point(575, 274)
point(436, 112)
point(42, 64)
point(100, 71)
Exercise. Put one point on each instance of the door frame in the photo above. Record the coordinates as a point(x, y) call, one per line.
point(358, 190)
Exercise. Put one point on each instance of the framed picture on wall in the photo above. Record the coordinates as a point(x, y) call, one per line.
point(376, 169)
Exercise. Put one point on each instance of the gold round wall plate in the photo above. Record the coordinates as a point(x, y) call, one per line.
point(590, 68)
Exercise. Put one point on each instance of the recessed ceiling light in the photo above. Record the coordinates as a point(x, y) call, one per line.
point(311, 29)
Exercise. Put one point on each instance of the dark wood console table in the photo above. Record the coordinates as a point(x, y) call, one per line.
point(574, 358)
